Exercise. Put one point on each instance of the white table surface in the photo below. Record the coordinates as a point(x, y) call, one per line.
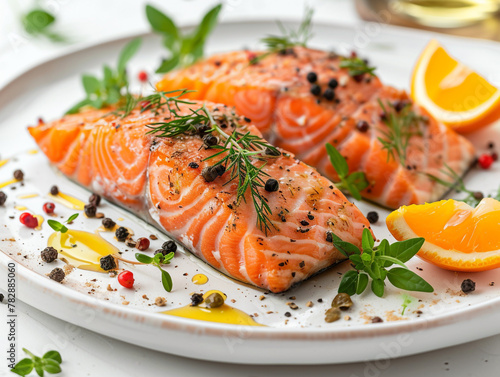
point(88, 354)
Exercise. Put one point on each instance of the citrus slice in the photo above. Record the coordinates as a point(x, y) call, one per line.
point(453, 93)
point(457, 236)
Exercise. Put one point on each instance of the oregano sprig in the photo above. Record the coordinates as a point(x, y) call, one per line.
point(158, 260)
point(354, 182)
point(184, 50)
point(373, 262)
point(113, 87)
point(58, 227)
point(49, 362)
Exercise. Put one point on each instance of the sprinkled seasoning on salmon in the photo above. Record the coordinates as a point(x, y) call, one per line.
point(156, 178)
point(277, 97)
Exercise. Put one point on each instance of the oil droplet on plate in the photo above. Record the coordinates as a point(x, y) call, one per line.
point(205, 295)
point(21, 208)
point(27, 196)
point(33, 151)
point(9, 182)
point(3, 162)
point(199, 279)
point(68, 201)
point(82, 249)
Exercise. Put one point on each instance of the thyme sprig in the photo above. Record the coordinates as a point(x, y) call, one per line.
point(158, 261)
point(402, 124)
point(244, 155)
point(289, 38)
point(357, 66)
point(49, 362)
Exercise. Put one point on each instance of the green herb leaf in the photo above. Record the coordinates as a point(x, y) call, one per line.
point(72, 218)
point(205, 27)
point(349, 283)
point(405, 250)
point(161, 23)
point(39, 368)
point(166, 280)
point(367, 239)
point(57, 226)
point(168, 257)
point(357, 66)
point(408, 280)
point(362, 283)
point(51, 366)
point(143, 258)
point(407, 300)
point(346, 248)
point(90, 84)
point(127, 53)
point(337, 160)
point(53, 355)
point(168, 64)
point(23, 367)
point(378, 287)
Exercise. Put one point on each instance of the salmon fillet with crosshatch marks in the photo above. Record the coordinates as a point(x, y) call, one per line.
point(160, 179)
point(276, 95)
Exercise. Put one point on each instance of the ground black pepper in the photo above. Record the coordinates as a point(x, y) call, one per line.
point(49, 254)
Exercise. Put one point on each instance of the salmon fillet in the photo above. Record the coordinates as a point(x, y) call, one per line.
point(160, 179)
point(276, 95)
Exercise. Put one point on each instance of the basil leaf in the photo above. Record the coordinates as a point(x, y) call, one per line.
point(166, 280)
point(127, 53)
point(51, 366)
point(367, 240)
point(57, 226)
point(168, 64)
point(349, 283)
point(53, 355)
point(346, 248)
point(408, 280)
point(378, 287)
point(338, 161)
point(362, 283)
point(161, 23)
point(143, 258)
point(24, 367)
point(405, 250)
point(91, 84)
point(71, 218)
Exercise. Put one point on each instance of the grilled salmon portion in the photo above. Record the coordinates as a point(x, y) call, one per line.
point(160, 179)
point(375, 127)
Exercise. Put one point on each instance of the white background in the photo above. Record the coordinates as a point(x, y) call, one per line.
point(89, 354)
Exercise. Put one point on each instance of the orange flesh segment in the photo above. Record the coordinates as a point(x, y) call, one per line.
point(463, 229)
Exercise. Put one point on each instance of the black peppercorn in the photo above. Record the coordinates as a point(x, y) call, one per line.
point(210, 140)
point(49, 254)
point(54, 190)
point(108, 223)
point(108, 262)
point(160, 251)
point(312, 77)
point(288, 314)
point(478, 195)
point(193, 165)
point(399, 105)
point(468, 286)
point(315, 89)
point(90, 210)
point(372, 217)
point(196, 299)
point(95, 199)
point(329, 237)
point(210, 173)
point(272, 185)
point(310, 216)
point(362, 126)
point(329, 94)
point(121, 234)
point(304, 223)
point(169, 246)
point(3, 198)
point(57, 274)
point(1, 297)
point(333, 83)
point(272, 152)
point(19, 175)
point(201, 128)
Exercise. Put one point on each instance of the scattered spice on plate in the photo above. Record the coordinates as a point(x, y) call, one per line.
point(196, 299)
point(108, 262)
point(160, 301)
point(107, 223)
point(57, 274)
point(377, 319)
point(468, 286)
point(90, 210)
point(142, 244)
point(372, 217)
point(153, 237)
point(169, 247)
point(121, 234)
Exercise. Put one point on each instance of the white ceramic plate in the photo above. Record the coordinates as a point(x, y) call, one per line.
point(431, 321)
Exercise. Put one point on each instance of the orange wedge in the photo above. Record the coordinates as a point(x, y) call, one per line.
point(453, 93)
point(457, 236)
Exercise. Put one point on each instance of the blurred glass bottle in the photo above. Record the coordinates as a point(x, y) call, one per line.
point(446, 13)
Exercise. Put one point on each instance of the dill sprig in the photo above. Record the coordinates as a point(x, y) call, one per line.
point(472, 197)
point(357, 67)
point(289, 38)
point(402, 124)
point(244, 155)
